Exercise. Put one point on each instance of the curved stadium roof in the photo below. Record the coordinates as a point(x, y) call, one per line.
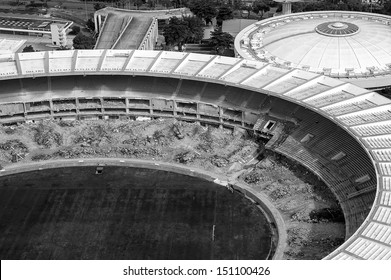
point(347, 45)
point(364, 114)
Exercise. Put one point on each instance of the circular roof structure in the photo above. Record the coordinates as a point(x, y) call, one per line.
point(337, 29)
point(346, 45)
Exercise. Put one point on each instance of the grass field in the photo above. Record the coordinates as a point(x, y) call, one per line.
point(126, 213)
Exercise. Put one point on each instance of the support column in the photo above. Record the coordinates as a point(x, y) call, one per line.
point(286, 8)
point(99, 23)
point(96, 23)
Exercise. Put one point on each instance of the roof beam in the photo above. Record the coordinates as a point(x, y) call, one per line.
point(18, 64)
point(254, 74)
point(127, 61)
point(179, 63)
point(46, 63)
point(101, 60)
point(74, 59)
point(154, 62)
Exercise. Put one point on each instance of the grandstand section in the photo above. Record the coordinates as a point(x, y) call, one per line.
point(351, 46)
point(338, 130)
point(127, 29)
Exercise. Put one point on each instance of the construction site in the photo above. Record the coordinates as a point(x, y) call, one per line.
point(311, 213)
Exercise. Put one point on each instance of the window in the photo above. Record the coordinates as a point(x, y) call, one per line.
point(269, 125)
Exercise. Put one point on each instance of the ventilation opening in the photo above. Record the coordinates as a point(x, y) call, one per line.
point(307, 138)
point(363, 179)
point(269, 125)
point(338, 156)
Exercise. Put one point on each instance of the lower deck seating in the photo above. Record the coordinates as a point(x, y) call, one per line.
point(351, 176)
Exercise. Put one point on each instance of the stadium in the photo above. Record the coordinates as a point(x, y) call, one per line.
point(352, 46)
point(339, 131)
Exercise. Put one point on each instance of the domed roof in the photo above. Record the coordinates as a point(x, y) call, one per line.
point(337, 43)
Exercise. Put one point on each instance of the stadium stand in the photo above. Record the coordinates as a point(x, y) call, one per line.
point(339, 131)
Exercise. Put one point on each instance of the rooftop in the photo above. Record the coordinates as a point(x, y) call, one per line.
point(10, 46)
point(21, 23)
point(346, 45)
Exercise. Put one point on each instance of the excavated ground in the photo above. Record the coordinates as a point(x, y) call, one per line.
point(313, 218)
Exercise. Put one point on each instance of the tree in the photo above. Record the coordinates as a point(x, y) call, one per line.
point(28, 49)
point(90, 24)
point(196, 31)
point(82, 41)
point(224, 12)
point(387, 7)
point(237, 4)
point(75, 30)
point(203, 9)
point(221, 41)
point(98, 6)
point(138, 3)
point(176, 32)
point(260, 6)
point(152, 3)
point(166, 3)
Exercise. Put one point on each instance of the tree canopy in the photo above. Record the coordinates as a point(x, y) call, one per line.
point(203, 9)
point(260, 6)
point(82, 41)
point(28, 48)
point(196, 31)
point(75, 30)
point(179, 31)
point(90, 24)
point(327, 5)
point(221, 41)
point(98, 6)
point(176, 32)
point(387, 7)
point(224, 12)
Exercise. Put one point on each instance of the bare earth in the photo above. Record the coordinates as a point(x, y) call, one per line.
point(313, 218)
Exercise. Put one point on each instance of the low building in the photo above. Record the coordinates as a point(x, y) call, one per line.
point(30, 26)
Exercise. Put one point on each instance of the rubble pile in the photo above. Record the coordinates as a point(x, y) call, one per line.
point(13, 150)
point(185, 157)
point(219, 161)
point(46, 136)
point(252, 177)
point(94, 135)
point(39, 157)
point(280, 192)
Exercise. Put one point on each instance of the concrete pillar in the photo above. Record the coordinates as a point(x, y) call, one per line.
point(286, 8)
point(96, 22)
point(99, 22)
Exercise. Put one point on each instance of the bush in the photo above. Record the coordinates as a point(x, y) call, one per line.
point(90, 24)
point(28, 48)
point(75, 30)
point(82, 41)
